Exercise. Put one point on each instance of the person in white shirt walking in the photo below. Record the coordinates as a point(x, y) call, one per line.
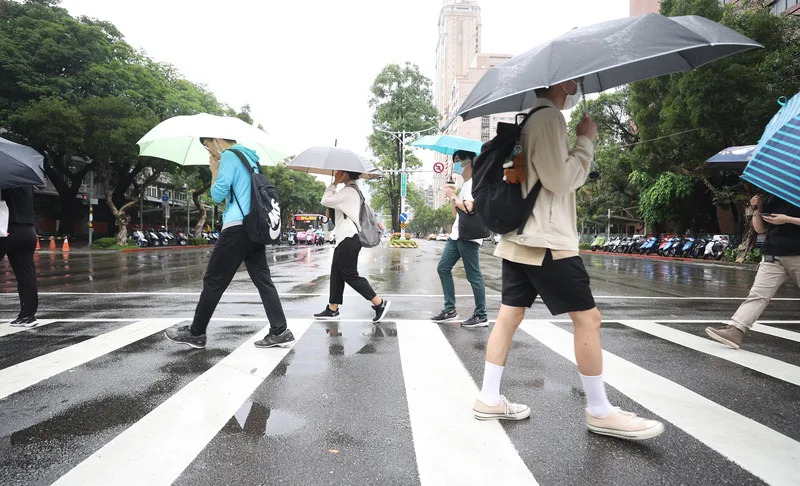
point(344, 267)
point(460, 246)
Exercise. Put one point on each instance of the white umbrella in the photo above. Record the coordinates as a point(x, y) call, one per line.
point(326, 160)
point(178, 139)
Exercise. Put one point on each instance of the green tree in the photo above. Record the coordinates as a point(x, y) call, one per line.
point(401, 100)
point(54, 68)
point(690, 116)
point(298, 192)
point(616, 137)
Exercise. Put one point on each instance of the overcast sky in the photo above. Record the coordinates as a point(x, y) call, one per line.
point(306, 67)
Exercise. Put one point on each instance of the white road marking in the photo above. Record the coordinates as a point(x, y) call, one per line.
point(6, 328)
point(451, 446)
point(777, 332)
point(764, 452)
point(157, 448)
point(22, 375)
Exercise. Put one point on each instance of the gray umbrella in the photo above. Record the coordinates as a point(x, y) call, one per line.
point(605, 55)
point(325, 160)
point(20, 165)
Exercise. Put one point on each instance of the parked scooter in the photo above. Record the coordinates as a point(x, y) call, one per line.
point(291, 237)
point(598, 243)
point(648, 245)
point(181, 238)
point(139, 237)
point(165, 237)
point(152, 237)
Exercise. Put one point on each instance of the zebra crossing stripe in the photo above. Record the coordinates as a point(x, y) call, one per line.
point(451, 447)
point(156, 449)
point(6, 329)
point(760, 450)
point(763, 364)
point(22, 375)
point(777, 332)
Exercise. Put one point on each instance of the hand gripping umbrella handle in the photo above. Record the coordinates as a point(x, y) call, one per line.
point(594, 173)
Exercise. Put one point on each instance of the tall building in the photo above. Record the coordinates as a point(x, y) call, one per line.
point(777, 7)
point(459, 42)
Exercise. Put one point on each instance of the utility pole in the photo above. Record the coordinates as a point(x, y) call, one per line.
point(401, 137)
point(91, 209)
point(608, 226)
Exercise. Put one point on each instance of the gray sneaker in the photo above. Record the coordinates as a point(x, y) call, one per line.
point(729, 335)
point(475, 321)
point(183, 335)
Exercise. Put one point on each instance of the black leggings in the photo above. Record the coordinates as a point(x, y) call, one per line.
point(344, 269)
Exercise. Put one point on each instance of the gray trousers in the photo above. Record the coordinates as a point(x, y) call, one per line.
point(769, 279)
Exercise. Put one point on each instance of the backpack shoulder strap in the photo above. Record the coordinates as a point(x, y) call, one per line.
point(528, 115)
point(250, 169)
point(355, 186)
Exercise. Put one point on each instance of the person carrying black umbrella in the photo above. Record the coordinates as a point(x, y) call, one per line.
point(543, 261)
point(19, 246)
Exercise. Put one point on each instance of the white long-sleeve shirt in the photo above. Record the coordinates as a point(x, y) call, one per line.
point(347, 204)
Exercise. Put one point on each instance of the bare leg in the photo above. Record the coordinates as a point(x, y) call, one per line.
point(508, 320)
point(588, 352)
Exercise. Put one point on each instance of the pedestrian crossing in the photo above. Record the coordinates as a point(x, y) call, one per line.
point(357, 403)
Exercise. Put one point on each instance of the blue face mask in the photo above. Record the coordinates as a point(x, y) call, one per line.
point(458, 168)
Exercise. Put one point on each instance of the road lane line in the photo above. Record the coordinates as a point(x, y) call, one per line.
point(777, 332)
point(758, 362)
point(28, 373)
point(435, 296)
point(760, 450)
point(156, 449)
point(451, 447)
point(6, 328)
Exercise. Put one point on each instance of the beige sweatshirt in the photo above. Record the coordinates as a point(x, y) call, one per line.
point(346, 202)
point(553, 222)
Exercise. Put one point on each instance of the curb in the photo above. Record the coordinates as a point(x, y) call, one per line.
point(154, 248)
point(696, 261)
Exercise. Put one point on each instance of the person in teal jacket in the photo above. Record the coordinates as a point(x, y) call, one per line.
point(230, 181)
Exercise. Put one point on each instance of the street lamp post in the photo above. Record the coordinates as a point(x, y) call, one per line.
point(401, 137)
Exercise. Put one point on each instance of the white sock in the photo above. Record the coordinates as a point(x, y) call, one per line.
point(596, 400)
point(490, 393)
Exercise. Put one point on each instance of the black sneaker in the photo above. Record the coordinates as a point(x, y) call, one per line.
point(445, 316)
point(272, 340)
point(327, 314)
point(380, 310)
point(29, 321)
point(475, 321)
point(183, 335)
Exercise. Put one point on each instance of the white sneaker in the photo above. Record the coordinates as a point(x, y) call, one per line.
point(504, 410)
point(624, 425)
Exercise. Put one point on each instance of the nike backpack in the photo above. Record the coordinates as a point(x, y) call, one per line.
point(263, 223)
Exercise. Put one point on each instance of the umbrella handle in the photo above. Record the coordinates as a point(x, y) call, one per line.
point(594, 174)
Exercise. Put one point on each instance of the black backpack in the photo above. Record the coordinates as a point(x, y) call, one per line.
point(263, 223)
point(501, 205)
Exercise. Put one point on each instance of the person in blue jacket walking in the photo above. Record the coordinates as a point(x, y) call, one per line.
point(230, 177)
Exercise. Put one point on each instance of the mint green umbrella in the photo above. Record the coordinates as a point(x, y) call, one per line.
point(178, 139)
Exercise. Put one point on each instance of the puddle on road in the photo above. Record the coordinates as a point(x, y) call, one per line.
point(257, 420)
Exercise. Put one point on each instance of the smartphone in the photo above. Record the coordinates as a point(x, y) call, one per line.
point(769, 215)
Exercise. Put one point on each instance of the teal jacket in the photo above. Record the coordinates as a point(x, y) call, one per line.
point(233, 174)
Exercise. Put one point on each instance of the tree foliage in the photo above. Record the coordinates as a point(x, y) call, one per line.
point(298, 192)
point(401, 100)
point(683, 119)
point(76, 91)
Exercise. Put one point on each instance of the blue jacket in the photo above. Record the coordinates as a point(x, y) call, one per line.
point(233, 174)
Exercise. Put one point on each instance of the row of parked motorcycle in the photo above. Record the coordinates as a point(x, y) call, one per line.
point(669, 246)
point(309, 237)
point(164, 237)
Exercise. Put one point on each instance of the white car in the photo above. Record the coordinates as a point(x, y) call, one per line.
point(441, 237)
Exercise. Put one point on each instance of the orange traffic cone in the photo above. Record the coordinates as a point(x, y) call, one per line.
point(38, 244)
point(65, 246)
point(52, 244)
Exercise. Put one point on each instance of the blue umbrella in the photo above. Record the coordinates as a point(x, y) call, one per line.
point(732, 157)
point(775, 165)
point(20, 165)
point(448, 144)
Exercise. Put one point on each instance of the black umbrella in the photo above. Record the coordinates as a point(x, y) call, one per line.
point(20, 165)
point(604, 56)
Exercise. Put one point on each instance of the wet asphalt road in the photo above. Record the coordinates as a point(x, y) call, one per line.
point(336, 408)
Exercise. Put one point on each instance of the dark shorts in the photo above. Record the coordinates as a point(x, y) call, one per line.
point(562, 284)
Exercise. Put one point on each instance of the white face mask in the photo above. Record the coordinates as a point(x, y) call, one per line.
point(572, 99)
